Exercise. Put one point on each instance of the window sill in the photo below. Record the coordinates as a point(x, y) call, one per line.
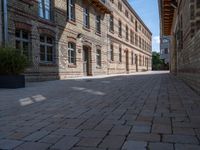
point(29, 2)
point(46, 21)
point(72, 66)
point(98, 67)
point(120, 36)
point(111, 61)
point(112, 31)
point(71, 22)
point(87, 29)
point(43, 64)
point(97, 33)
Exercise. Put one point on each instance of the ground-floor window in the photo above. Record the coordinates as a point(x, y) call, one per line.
point(98, 57)
point(23, 42)
point(111, 52)
point(132, 58)
point(120, 54)
point(72, 53)
point(46, 49)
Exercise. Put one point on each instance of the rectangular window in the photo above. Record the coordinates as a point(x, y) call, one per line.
point(98, 24)
point(98, 57)
point(23, 42)
point(45, 9)
point(136, 26)
point(119, 6)
point(111, 23)
point(46, 48)
point(120, 28)
point(72, 53)
point(111, 52)
point(71, 10)
point(120, 54)
point(127, 35)
point(132, 58)
point(86, 18)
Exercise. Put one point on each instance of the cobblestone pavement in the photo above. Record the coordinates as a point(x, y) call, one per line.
point(148, 111)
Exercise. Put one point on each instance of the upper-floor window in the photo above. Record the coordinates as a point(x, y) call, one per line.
point(111, 23)
point(98, 24)
point(23, 42)
point(132, 20)
point(127, 33)
point(136, 26)
point(71, 10)
point(45, 9)
point(120, 6)
point(46, 48)
point(126, 13)
point(132, 37)
point(120, 28)
point(86, 17)
point(71, 53)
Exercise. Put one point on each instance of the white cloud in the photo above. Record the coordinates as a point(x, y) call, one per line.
point(156, 39)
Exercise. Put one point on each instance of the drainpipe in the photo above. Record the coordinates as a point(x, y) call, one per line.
point(5, 22)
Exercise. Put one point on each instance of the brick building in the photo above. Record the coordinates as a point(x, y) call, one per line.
point(70, 38)
point(181, 20)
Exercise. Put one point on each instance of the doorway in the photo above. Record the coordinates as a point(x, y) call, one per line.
point(87, 71)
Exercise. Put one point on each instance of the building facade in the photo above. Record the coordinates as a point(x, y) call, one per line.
point(71, 38)
point(164, 48)
point(182, 23)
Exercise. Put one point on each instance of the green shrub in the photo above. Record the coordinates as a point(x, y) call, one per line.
point(12, 62)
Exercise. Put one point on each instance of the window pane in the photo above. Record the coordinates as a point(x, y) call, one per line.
point(18, 45)
point(25, 49)
point(17, 33)
point(42, 39)
point(49, 40)
point(25, 35)
point(42, 52)
point(41, 14)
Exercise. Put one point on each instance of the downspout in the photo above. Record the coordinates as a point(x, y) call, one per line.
point(5, 22)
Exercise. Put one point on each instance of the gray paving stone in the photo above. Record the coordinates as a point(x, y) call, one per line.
point(120, 130)
point(89, 142)
point(66, 143)
point(160, 146)
point(141, 128)
point(70, 132)
point(183, 139)
point(112, 142)
point(144, 137)
point(9, 144)
point(92, 134)
point(134, 145)
point(33, 146)
point(52, 139)
point(36, 136)
point(186, 147)
point(160, 128)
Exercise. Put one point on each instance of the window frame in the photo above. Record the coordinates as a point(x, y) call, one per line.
point(42, 9)
point(46, 45)
point(21, 40)
point(71, 14)
point(69, 53)
point(98, 57)
point(86, 17)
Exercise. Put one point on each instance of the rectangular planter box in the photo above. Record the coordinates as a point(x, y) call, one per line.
point(12, 81)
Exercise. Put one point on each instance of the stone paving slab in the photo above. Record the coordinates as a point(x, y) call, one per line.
point(150, 111)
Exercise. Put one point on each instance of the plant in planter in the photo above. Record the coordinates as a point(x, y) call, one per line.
point(12, 66)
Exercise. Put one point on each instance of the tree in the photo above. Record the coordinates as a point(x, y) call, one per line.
point(157, 63)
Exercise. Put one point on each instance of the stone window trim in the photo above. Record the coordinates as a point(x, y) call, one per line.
point(46, 31)
point(23, 26)
point(71, 39)
point(29, 2)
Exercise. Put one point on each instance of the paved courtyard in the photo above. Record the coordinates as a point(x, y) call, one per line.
point(146, 111)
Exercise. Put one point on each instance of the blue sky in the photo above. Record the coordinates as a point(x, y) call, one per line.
point(148, 11)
